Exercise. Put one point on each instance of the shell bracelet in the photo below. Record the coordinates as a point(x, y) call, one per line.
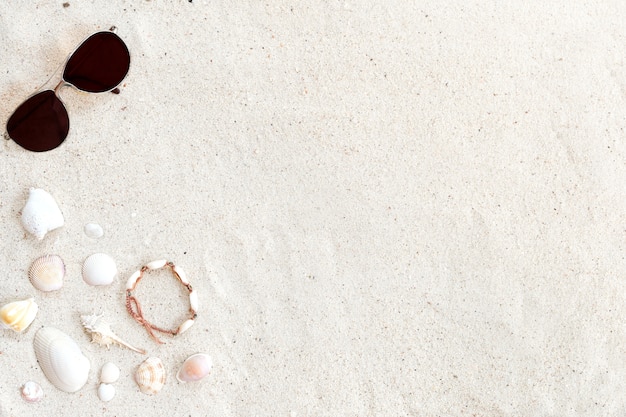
point(134, 308)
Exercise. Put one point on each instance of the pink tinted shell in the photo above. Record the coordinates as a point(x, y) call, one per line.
point(195, 368)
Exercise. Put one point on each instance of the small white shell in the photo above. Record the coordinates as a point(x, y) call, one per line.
point(93, 230)
point(150, 376)
point(193, 301)
point(41, 213)
point(106, 392)
point(18, 315)
point(47, 272)
point(31, 392)
point(185, 326)
point(130, 284)
point(181, 274)
point(109, 373)
point(99, 269)
point(156, 264)
point(61, 360)
point(195, 368)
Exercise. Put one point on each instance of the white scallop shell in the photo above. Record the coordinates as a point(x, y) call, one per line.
point(150, 376)
point(47, 272)
point(195, 368)
point(93, 230)
point(18, 315)
point(41, 213)
point(61, 360)
point(99, 269)
point(106, 392)
point(109, 373)
point(31, 392)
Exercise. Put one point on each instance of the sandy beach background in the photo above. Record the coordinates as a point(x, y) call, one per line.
point(388, 208)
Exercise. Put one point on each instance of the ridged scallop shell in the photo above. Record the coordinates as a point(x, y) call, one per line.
point(99, 269)
point(41, 213)
point(18, 315)
point(31, 392)
point(61, 360)
point(150, 376)
point(195, 368)
point(47, 272)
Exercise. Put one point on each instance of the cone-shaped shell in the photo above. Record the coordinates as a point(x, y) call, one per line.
point(18, 315)
point(195, 368)
point(47, 272)
point(61, 360)
point(99, 269)
point(41, 213)
point(150, 376)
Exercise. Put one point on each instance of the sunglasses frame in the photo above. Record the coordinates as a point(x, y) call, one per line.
point(55, 87)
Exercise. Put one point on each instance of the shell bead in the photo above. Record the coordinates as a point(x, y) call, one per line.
point(31, 392)
point(18, 315)
point(47, 272)
point(106, 392)
point(41, 213)
point(132, 281)
point(156, 264)
point(195, 368)
point(193, 300)
point(150, 376)
point(109, 373)
point(185, 326)
point(61, 360)
point(181, 274)
point(99, 269)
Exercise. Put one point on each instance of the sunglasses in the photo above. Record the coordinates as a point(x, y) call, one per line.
point(98, 65)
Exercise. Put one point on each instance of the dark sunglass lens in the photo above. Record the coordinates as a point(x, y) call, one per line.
point(99, 64)
point(40, 123)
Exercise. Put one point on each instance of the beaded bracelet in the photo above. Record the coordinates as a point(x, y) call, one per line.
point(134, 308)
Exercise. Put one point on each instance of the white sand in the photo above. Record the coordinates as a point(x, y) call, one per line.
point(387, 208)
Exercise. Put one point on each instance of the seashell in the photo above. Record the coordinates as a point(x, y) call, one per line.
point(93, 230)
point(181, 274)
point(31, 392)
point(18, 315)
point(150, 376)
point(47, 272)
point(41, 213)
point(61, 360)
point(132, 281)
point(106, 392)
point(185, 326)
point(102, 334)
point(99, 269)
point(195, 368)
point(156, 264)
point(109, 373)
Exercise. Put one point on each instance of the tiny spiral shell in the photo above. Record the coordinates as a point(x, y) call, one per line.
point(150, 376)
